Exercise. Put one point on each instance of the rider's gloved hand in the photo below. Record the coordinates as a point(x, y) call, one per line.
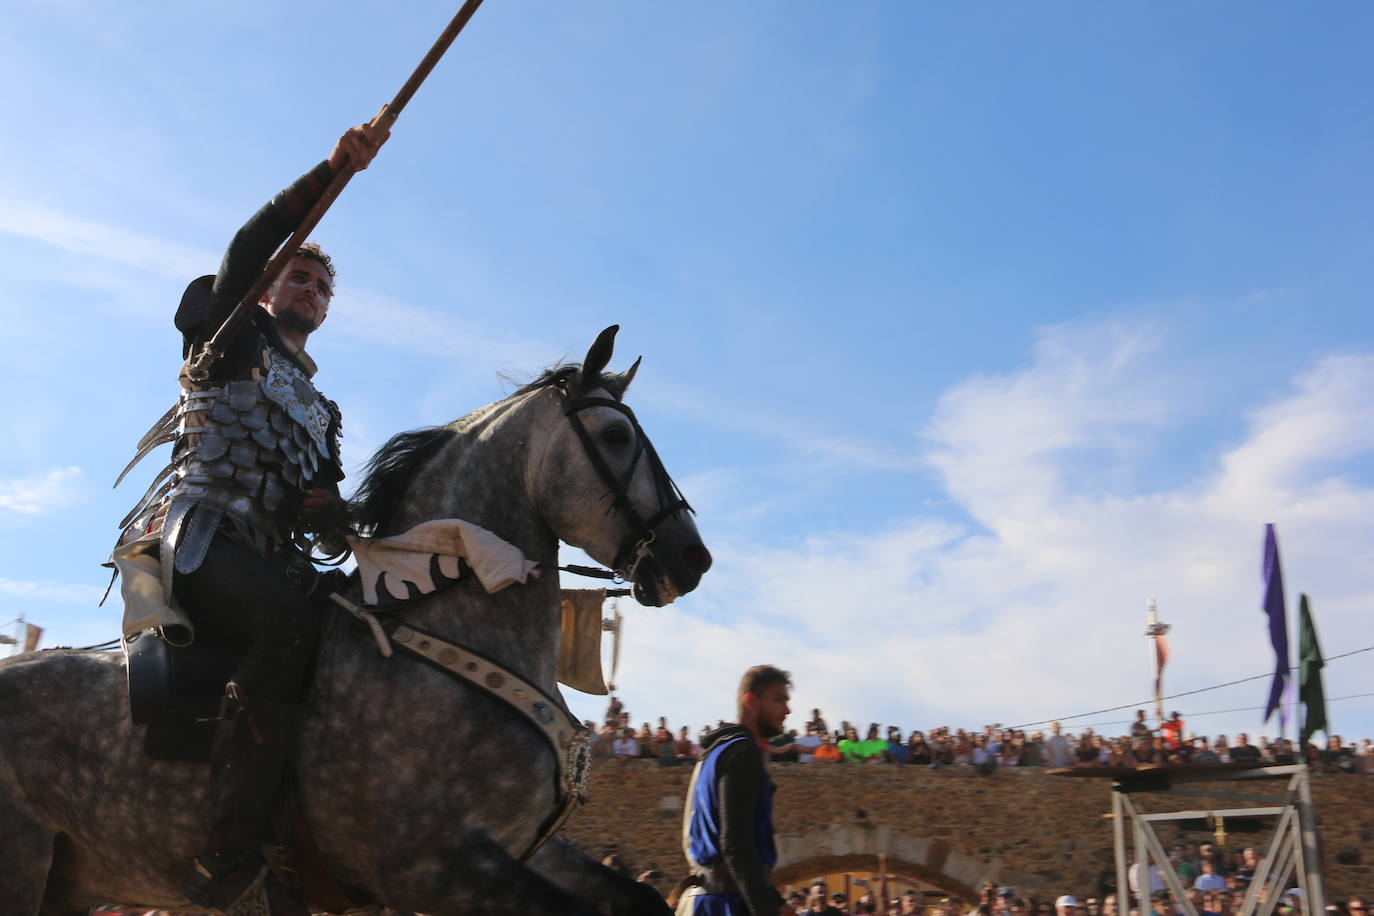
point(325, 513)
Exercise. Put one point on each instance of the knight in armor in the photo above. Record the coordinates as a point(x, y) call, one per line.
point(220, 545)
point(727, 824)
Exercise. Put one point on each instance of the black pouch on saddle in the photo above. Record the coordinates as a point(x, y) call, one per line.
point(173, 689)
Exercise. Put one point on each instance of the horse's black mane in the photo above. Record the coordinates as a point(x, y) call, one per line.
point(559, 375)
point(390, 470)
point(569, 375)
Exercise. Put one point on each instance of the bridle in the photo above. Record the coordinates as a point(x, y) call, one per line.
point(638, 544)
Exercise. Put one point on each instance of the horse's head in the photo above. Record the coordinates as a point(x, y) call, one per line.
point(603, 488)
point(569, 445)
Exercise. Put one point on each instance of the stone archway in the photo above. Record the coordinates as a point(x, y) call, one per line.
point(856, 847)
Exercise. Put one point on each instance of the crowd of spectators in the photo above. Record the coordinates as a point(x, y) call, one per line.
point(1215, 882)
point(1214, 879)
point(986, 749)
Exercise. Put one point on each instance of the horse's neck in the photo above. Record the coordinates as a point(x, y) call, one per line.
point(480, 479)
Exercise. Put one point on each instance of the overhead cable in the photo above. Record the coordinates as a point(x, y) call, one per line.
point(1186, 693)
point(1217, 712)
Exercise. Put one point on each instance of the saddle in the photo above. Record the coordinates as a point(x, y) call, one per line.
point(178, 691)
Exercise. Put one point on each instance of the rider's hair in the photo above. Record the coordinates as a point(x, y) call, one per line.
point(759, 678)
point(315, 253)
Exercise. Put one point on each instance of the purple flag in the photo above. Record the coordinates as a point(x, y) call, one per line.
point(1274, 609)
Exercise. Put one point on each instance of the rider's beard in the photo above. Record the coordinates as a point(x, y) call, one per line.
point(770, 730)
point(295, 321)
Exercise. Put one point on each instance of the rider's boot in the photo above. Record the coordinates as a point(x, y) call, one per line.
point(232, 874)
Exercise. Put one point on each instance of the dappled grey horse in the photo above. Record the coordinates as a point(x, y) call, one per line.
point(422, 791)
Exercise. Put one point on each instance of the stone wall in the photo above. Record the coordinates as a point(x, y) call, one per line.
point(952, 828)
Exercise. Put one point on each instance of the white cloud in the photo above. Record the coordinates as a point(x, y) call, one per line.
point(434, 332)
point(1295, 441)
point(40, 493)
point(101, 241)
point(805, 436)
point(1040, 611)
point(1000, 441)
point(52, 591)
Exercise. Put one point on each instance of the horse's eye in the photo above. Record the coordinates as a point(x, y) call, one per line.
point(616, 434)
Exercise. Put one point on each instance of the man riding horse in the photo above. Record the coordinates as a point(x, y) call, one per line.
point(254, 473)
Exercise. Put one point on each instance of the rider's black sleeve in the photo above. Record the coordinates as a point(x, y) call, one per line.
point(739, 781)
point(208, 301)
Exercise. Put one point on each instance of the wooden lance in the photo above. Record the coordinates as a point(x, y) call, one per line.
point(201, 363)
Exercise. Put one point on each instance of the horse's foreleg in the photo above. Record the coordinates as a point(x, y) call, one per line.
point(469, 874)
point(568, 867)
point(26, 852)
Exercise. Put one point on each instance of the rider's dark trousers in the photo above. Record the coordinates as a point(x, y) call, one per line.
point(244, 598)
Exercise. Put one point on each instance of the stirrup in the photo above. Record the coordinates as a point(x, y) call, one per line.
point(253, 900)
point(263, 895)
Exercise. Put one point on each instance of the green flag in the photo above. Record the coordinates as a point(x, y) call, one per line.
point(1310, 676)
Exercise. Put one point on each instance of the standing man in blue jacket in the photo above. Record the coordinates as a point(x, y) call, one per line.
point(727, 827)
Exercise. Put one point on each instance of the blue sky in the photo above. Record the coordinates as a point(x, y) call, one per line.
point(967, 329)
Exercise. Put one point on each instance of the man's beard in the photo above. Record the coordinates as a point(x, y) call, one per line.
point(294, 321)
point(771, 731)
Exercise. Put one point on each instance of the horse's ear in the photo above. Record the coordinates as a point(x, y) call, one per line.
point(599, 356)
point(629, 376)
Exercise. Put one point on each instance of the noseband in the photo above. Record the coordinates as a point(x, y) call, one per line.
point(638, 545)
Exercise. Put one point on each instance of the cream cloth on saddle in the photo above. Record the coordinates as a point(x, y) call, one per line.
point(387, 564)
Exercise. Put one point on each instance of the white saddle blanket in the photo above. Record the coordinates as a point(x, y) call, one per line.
point(387, 564)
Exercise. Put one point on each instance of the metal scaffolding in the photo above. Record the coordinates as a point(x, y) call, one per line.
point(1293, 850)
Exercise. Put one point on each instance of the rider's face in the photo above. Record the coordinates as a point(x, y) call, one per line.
point(299, 298)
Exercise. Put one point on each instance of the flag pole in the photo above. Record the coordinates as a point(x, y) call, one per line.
point(199, 367)
point(1158, 654)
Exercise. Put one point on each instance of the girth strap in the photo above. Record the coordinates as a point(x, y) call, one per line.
point(570, 740)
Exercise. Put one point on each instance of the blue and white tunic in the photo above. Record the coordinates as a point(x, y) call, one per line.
point(727, 830)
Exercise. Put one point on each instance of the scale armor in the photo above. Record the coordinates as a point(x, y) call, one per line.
point(246, 450)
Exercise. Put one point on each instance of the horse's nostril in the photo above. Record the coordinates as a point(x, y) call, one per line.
point(697, 557)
